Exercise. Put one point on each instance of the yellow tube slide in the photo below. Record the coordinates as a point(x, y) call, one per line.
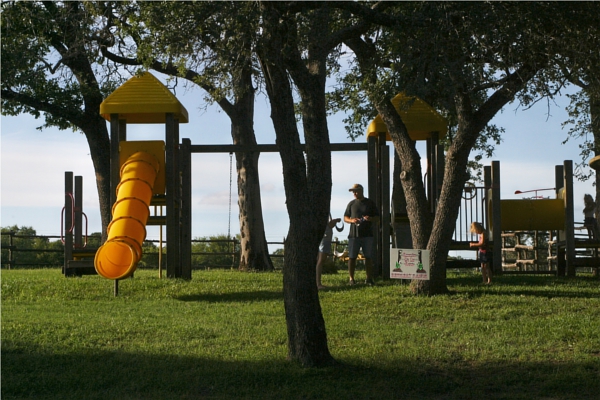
point(118, 257)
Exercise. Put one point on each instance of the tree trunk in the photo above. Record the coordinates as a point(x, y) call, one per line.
point(254, 252)
point(96, 134)
point(307, 338)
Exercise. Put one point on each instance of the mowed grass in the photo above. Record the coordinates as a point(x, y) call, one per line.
point(223, 336)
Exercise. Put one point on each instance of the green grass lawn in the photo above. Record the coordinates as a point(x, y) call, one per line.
point(223, 336)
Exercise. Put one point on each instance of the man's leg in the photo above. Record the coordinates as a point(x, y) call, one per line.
point(368, 251)
point(320, 262)
point(369, 269)
point(351, 268)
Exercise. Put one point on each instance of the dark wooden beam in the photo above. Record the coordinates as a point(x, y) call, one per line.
point(266, 148)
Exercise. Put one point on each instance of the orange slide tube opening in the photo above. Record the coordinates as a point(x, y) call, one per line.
point(118, 257)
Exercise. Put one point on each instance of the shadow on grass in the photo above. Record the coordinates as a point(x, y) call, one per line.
point(232, 297)
point(538, 286)
point(258, 295)
point(28, 374)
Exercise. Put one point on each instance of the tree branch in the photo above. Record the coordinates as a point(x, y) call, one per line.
point(74, 116)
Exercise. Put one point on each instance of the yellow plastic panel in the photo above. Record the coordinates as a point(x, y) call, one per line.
point(418, 116)
point(143, 100)
point(532, 215)
point(595, 163)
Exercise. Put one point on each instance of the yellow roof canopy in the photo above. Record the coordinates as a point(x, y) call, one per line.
point(143, 100)
point(419, 117)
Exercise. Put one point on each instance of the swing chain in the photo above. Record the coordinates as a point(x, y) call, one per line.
point(230, 185)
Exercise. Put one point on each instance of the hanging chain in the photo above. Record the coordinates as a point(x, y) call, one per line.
point(230, 185)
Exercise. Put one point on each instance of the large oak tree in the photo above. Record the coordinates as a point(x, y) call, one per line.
point(50, 69)
point(209, 44)
point(469, 60)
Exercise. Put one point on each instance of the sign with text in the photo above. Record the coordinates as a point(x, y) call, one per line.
point(409, 264)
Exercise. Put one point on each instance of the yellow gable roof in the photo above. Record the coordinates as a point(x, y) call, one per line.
point(143, 100)
point(419, 117)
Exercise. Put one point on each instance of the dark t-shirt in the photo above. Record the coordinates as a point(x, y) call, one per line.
point(358, 209)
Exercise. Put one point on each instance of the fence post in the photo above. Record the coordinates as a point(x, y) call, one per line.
point(10, 249)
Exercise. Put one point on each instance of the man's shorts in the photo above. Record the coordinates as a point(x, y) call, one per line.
point(325, 246)
point(366, 243)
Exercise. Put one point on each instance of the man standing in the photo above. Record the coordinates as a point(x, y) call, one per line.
point(362, 214)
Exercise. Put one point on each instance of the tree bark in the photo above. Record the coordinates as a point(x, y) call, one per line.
point(307, 338)
point(254, 252)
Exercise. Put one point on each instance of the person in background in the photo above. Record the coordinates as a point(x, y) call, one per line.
point(481, 245)
point(325, 249)
point(362, 214)
point(589, 221)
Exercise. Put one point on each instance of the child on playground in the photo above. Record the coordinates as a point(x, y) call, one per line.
point(589, 210)
point(325, 248)
point(477, 228)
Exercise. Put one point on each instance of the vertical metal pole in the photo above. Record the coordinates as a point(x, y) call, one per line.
point(159, 243)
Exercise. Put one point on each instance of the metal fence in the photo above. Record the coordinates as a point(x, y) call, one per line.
point(472, 209)
point(14, 244)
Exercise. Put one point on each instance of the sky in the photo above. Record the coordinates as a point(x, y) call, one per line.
point(33, 164)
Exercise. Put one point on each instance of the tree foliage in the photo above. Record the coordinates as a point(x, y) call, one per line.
point(468, 60)
point(51, 68)
point(211, 46)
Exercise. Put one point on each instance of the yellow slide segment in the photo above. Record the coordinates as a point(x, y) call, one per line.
point(118, 257)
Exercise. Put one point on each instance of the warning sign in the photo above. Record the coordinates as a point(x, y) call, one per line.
point(409, 264)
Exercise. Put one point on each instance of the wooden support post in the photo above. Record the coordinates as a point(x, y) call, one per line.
point(559, 177)
point(78, 226)
point(114, 157)
point(385, 208)
point(431, 183)
point(185, 157)
point(68, 220)
point(487, 184)
point(569, 217)
point(372, 167)
point(559, 182)
point(172, 183)
point(496, 218)
point(373, 185)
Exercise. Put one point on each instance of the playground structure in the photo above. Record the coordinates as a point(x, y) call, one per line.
point(118, 257)
point(158, 173)
point(536, 217)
